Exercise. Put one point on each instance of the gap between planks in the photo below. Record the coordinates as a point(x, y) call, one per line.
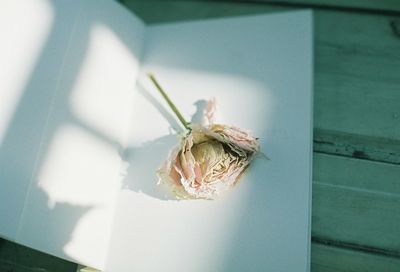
point(357, 146)
point(354, 246)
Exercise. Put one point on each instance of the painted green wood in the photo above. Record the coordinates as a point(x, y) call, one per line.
point(357, 146)
point(356, 216)
point(331, 259)
point(356, 203)
point(17, 258)
point(357, 82)
point(374, 5)
point(378, 5)
point(14, 267)
point(355, 173)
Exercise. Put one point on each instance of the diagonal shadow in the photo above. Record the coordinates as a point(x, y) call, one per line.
point(34, 125)
point(22, 141)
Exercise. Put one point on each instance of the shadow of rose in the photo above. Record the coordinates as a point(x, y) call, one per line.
point(143, 161)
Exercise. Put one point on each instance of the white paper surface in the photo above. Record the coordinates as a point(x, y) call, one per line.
point(26, 87)
point(69, 100)
point(259, 69)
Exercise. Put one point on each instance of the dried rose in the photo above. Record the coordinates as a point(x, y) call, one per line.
point(210, 158)
point(209, 161)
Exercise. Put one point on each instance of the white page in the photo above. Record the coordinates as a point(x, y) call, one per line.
point(29, 70)
point(259, 68)
point(64, 110)
point(62, 144)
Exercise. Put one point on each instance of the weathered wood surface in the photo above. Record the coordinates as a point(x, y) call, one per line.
point(356, 218)
point(357, 146)
point(333, 259)
point(374, 5)
point(357, 74)
point(17, 258)
point(355, 173)
point(356, 189)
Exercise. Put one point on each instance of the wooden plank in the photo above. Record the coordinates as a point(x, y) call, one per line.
point(355, 173)
point(13, 267)
point(357, 74)
point(373, 5)
point(357, 205)
point(333, 259)
point(356, 146)
point(367, 5)
point(19, 258)
point(356, 201)
point(356, 216)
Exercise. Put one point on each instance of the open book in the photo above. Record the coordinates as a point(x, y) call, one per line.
point(82, 132)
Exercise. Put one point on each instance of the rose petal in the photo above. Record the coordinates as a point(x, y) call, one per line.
point(211, 160)
point(210, 110)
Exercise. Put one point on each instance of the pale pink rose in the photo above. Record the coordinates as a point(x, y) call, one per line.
point(209, 160)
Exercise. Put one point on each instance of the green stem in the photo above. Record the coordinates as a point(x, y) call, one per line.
point(170, 103)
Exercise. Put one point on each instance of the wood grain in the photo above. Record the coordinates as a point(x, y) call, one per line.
point(356, 203)
point(357, 146)
point(357, 82)
point(357, 216)
point(359, 5)
point(333, 259)
point(355, 173)
point(17, 258)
